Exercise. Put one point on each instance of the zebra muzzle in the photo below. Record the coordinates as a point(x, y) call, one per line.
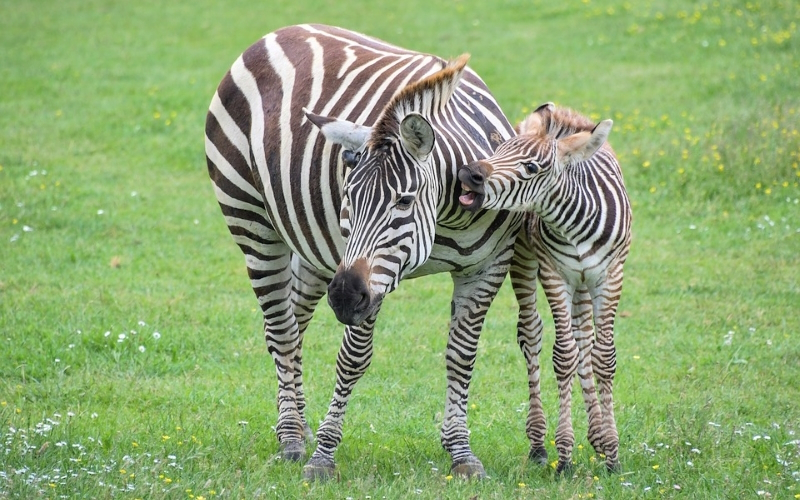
point(349, 297)
point(472, 178)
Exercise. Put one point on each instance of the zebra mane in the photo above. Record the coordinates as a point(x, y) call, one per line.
point(427, 97)
point(555, 122)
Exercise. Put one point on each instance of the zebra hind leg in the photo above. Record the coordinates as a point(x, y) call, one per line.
point(271, 280)
point(308, 287)
point(472, 296)
point(268, 262)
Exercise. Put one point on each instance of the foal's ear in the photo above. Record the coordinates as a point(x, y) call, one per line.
point(536, 122)
point(581, 146)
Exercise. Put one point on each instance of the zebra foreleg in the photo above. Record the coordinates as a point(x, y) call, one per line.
point(565, 363)
point(355, 356)
point(524, 268)
point(583, 331)
point(604, 359)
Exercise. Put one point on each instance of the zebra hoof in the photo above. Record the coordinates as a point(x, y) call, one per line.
point(597, 447)
point(538, 455)
point(308, 434)
point(563, 469)
point(293, 451)
point(613, 466)
point(319, 470)
point(470, 468)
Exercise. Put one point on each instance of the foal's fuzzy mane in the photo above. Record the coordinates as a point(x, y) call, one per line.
point(555, 123)
point(565, 121)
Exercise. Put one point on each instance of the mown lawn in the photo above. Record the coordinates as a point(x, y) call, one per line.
point(132, 362)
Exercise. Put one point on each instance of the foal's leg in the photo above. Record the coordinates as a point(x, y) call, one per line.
point(523, 272)
point(565, 359)
point(604, 359)
point(583, 329)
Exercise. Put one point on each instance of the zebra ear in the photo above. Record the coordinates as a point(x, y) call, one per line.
point(581, 146)
point(350, 135)
point(416, 135)
point(536, 122)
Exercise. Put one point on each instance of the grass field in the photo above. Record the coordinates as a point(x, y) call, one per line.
point(132, 363)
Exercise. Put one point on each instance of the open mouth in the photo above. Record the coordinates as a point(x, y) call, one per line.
point(470, 199)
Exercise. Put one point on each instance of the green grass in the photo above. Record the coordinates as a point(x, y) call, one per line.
point(108, 224)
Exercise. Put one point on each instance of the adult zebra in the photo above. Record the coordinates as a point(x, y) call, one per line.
point(407, 120)
point(563, 171)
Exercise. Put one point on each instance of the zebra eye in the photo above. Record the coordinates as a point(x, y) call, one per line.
point(405, 201)
point(530, 166)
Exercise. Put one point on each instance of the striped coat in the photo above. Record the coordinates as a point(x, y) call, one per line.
point(278, 126)
point(561, 170)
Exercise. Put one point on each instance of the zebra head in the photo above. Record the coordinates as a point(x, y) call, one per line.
point(525, 170)
point(391, 192)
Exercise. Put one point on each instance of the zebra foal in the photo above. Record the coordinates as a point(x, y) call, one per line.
point(561, 170)
point(308, 223)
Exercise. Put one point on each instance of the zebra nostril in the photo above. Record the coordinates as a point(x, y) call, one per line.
point(477, 178)
point(363, 301)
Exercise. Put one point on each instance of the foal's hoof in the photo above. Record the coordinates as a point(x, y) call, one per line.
point(563, 469)
point(538, 455)
point(293, 451)
point(613, 466)
point(319, 470)
point(468, 468)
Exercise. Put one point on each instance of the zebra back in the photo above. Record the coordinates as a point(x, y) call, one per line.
point(264, 155)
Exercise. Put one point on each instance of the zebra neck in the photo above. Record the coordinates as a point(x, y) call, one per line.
point(569, 206)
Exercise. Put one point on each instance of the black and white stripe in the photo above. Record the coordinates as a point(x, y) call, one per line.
point(407, 121)
point(561, 170)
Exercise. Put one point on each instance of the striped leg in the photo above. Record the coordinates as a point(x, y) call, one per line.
point(524, 269)
point(268, 261)
point(565, 360)
point(472, 297)
point(604, 359)
point(308, 287)
point(355, 356)
point(273, 289)
point(583, 329)
point(272, 283)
